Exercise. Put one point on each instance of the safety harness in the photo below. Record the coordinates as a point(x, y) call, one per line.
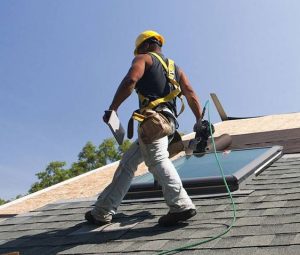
point(146, 104)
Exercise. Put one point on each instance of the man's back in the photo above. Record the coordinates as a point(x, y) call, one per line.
point(154, 83)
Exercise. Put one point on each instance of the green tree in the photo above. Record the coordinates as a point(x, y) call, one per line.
point(53, 174)
point(125, 146)
point(2, 201)
point(109, 151)
point(89, 158)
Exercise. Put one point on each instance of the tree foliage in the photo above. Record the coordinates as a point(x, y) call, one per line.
point(2, 201)
point(90, 157)
point(54, 173)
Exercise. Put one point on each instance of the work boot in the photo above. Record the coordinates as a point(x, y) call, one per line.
point(97, 220)
point(171, 219)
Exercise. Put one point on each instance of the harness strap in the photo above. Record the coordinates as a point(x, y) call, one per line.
point(163, 62)
point(170, 70)
point(137, 116)
point(146, 104)
point(165, 99)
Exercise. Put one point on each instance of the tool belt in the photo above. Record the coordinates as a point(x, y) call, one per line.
point(153, 125)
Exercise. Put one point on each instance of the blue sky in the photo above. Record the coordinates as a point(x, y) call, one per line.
point(61, 61)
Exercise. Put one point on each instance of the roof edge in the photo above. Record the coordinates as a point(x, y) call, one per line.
point(37, 193)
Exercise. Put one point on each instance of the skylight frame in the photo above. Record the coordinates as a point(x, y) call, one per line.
point(212, 184)
point(263, 160)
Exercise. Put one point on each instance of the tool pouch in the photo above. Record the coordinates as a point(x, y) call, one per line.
point(154, 126)
point(176, 145)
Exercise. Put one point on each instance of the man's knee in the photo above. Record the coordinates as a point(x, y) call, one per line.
point(156, 162)
point(131, 158)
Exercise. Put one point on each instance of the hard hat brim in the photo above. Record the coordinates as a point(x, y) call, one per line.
point(145, 36)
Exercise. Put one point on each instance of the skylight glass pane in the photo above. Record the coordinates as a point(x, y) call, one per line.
point(190, 167)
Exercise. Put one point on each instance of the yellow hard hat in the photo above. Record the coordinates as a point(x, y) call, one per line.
point(146, 35)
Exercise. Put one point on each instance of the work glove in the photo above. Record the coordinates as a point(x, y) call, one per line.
point(197, 125)
point(202, 130)
point(106, 116)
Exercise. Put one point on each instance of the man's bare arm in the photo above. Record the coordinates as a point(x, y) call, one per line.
point(128, 84)
point(190, 95)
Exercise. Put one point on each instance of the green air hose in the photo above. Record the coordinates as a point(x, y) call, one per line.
point(185, 247)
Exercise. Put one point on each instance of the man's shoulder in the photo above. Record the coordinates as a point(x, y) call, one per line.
point(143, 57)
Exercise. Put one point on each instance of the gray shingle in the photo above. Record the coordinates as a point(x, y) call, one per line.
point(153, 245)
point(13, 243)
point(242, 251)
point(64, 211)
point(283, 239)
point(273, 187)
point(292, 210)
point(28, 214)
point(271, 204)
point(8, 228)
point(286, 250)
point(250, 221)
point(86, 228)
point(40, 219)
point(254, 199)
point(69, 205)
point(270, 229)
point(32, 251)
point(253, 212)
point(104, 248)
point(293, 203)
point(78, 249)
point(244, 231)
point(223, 251)
point(281, 219)
point(291, 190)
point(290, 228)
point(292, 176)
point(19, 234)
point(206, 233)
point(280, 180)
point(3, 242)
point(176, 233)
point(296, 239)
point(174, 244)
point(116, 246)
point(134, 246)
point(227, 242)
point(272, 211)
point(14, 221)
point(255, 241)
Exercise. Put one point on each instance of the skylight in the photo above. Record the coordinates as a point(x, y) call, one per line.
point(200, 173)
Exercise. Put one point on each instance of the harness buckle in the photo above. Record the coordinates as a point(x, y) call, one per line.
point(145, 102)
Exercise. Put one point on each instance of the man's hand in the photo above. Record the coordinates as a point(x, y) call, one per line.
point(198, 125)
point(106, 116)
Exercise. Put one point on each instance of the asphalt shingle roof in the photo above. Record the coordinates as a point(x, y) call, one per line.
point(268, 222)
point(288, 138)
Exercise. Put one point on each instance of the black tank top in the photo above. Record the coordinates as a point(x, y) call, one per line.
point(154, 83)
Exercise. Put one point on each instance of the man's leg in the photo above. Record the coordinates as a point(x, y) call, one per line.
point(112, 195)
point(156, 157)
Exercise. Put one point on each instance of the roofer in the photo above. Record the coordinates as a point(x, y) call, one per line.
point(159, 81)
